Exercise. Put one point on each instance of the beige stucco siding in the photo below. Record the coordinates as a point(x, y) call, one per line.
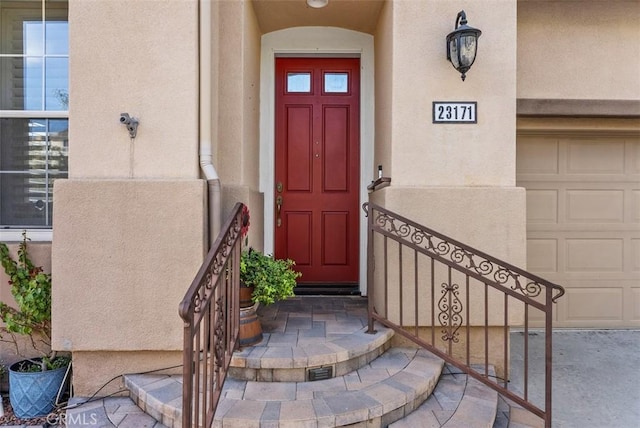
point(123, 265)
point(456, 179)
point(383, 88)
point(128, 57)
point(426, 154)
point(129, 223)
point(579, 49)
point(236, 107)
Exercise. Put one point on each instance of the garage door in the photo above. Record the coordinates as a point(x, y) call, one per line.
point(583, 224)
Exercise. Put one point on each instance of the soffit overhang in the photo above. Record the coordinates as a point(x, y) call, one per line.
point(357, 15)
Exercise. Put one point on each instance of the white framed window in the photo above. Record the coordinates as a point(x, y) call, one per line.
point(34, 118)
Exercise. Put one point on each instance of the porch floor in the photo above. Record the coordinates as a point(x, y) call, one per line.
point(609, 356)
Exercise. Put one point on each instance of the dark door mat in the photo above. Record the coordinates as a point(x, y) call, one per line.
point(327, 290)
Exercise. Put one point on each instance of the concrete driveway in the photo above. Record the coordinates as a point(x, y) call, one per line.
point(596, 376)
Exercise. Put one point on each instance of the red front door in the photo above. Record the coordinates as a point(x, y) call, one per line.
point(317, 167)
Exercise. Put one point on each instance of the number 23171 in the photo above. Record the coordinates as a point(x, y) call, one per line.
point(452, 112)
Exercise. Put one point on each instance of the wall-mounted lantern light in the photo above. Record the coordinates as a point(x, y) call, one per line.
point(462, 45)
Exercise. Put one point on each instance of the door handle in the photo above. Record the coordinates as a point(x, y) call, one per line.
point(278, 209)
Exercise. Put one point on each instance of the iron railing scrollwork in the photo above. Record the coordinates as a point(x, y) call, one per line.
point(450, 316)
point(211, 313)
point(475, 296)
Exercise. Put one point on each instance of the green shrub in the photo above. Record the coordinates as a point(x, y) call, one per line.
point(273, 279)
point(31, 289)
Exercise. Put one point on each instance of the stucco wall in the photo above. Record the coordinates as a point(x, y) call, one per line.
point(122, 265)
point(129, 223)
point(239, 88)
point(579, 49)
point(383, 83)
point(129, 57)
point(426, 154)
point(236, 77)
point(458, 179)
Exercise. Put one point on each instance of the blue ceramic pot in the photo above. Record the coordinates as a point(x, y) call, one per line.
point(34, 394)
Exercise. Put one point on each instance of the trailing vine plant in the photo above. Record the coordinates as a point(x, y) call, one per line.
point(31, 289)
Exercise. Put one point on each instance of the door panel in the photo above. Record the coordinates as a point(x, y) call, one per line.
point(318, 166)
point(299, 235)
point(336, 149)
point(298, 148)
point(335, 227)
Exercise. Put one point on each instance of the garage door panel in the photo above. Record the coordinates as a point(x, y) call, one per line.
point(542, 255)
point(583, 225)
point(595, 206)
point(537, 156)
point(634, 304)
point(592, 304)
point(591, 228)
point(594, 255)
point(633, 150)
point(595, 157)
point(543, 206)
point(634, 262)
point(605, 304)
point(634, 209)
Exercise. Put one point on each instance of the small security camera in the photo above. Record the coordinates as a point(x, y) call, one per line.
point(130, 122)
point(125, 119)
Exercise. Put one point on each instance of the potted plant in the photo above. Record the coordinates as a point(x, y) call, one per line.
point(272, 279)
point(263, 279)
point(33, 382)
point(269, 280)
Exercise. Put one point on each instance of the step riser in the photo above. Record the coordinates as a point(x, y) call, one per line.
point(355, 400)
point(301, 374)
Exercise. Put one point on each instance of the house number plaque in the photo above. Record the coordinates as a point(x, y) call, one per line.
point(455, 112)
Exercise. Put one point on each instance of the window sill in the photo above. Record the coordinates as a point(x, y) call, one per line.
point(35, 235)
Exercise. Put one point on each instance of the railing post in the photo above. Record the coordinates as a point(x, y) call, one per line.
point(187, 378)
point(370, 262)
point(548, 357)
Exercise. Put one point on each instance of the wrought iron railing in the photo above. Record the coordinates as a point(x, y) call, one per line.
point(458, 302)
point(211, 311)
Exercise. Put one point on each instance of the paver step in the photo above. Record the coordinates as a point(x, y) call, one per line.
point(312, 332)
point(112, 412)
point(377, 394)
point(276, 360)
point(457, 401)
